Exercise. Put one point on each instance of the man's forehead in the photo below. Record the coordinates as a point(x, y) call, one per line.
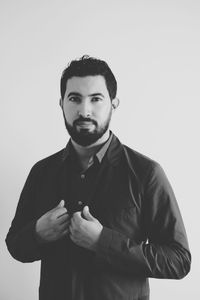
point(86, 84)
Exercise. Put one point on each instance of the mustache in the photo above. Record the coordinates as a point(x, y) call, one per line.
point(82, 119)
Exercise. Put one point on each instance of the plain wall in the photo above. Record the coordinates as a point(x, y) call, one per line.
point(153, 48)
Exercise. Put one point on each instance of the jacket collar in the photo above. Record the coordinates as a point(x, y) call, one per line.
point(115, 151)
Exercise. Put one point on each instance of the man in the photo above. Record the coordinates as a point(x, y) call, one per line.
point(101, 217)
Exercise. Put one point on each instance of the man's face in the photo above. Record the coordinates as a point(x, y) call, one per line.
point(87, 108)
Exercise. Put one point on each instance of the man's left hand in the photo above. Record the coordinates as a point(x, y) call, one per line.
point(86, 231)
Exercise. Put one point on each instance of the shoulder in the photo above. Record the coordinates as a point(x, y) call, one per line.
point(137, 158)
point(52, 161)
point(137, 163)
point(141, 165)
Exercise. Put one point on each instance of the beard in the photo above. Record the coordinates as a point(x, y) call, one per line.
point(85, 136)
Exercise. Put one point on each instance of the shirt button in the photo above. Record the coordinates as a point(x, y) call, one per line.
point(82, 176)
point(80, 203)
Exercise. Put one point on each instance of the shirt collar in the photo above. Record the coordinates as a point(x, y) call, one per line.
point(100, 154)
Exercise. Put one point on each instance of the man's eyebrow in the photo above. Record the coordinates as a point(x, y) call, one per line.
point(79, 95)
point(74, 94)
point(96, 94)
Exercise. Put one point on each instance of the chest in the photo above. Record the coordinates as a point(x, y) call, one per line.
point(112, 193)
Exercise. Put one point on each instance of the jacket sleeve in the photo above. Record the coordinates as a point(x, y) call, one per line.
point(165, 252)
point(21, 240)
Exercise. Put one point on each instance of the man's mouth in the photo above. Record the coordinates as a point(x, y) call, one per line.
point(84, 123)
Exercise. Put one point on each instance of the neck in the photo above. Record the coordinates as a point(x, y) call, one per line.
point(85, 152)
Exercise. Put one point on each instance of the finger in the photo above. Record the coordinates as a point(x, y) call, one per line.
point(73, 223)
point(60, 205)
point(87, 214)
point(63, 218)
point(71, 230)
point(77, 216)
point(76, 220)
point(64, 226)
point(59, 212)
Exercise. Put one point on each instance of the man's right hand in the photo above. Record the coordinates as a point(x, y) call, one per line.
point(53, 225)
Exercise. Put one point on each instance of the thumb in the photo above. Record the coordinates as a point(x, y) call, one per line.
point(61, 204)
point(87, 214)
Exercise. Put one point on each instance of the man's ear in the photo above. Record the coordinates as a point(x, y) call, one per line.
point(115, 103)
point(61, 103)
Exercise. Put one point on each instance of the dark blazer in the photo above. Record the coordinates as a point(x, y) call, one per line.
point(143, 233)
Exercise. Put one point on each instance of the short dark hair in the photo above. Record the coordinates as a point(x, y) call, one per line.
point(89, 66)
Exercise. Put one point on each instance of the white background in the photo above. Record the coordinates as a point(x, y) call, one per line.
point(153, 48)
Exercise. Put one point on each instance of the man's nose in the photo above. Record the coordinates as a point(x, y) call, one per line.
point(85, 110)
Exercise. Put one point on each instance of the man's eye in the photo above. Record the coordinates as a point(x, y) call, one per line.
point(96, 99)
point(74, 99)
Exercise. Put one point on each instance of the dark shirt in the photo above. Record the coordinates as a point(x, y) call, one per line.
point(143, 233)
point(82, 182)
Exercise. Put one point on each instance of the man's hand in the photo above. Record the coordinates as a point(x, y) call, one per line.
point(86, 231)
point(54, 224)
